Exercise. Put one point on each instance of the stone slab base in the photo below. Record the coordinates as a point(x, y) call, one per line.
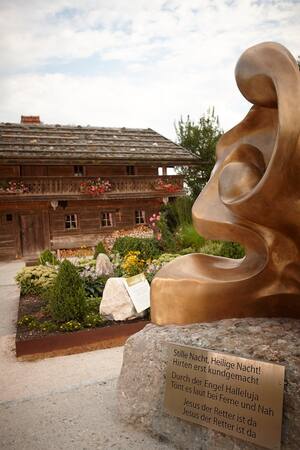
point(142, 381)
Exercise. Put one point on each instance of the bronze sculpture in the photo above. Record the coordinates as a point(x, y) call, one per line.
point(252, 197)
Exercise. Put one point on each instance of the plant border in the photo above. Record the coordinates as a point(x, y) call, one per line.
point(68, 343)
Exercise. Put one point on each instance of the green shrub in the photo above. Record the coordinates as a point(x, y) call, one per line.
point(36, 280)
point(93, 283)
point(117, 262)
point(95, 287)
point(83, 263)
point(166, 258)
point(99, 249)
point(223, 248)
point(118, 272)
point(178, 212)
point(48, 257)
point(148, 247)
point(188, 237)
point(187, 251)
point(93, 320)
point(167, 242)
point(232, 250)
point(158, 263)
point(48, 326)
point(67, 297)
point(71, 325)
point(149, 276)
point(183, 207)
point(133, 264)
point(32, 323)
point(26, 320)
point(171, 216)
point(212, 248)
point(92, 305)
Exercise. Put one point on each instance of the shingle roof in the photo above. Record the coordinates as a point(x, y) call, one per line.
point(48, 143)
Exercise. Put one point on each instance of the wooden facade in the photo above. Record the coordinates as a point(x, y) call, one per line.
point(43, 173)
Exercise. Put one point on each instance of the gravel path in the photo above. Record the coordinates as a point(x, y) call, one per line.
point(65, 402)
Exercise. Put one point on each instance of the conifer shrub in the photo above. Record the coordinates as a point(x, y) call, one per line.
point(67, 300)
point(99, 249)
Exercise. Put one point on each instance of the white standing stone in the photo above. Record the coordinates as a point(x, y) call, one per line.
point(103, 265)
point(116, 303)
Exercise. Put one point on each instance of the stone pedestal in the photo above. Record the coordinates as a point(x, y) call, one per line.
point(142, 381)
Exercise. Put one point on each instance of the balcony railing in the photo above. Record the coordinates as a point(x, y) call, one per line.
point(120, 186)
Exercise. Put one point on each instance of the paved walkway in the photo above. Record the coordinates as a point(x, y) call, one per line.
point(58, 403)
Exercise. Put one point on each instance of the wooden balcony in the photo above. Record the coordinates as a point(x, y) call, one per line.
point(78, 187)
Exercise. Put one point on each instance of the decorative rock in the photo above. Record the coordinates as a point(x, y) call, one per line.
point(142, 381)
point(116, 303)
point(103, 265)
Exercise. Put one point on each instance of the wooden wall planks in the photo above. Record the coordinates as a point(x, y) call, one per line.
point(49, 230)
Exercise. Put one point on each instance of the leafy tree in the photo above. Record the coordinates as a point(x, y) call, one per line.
point(200, 138)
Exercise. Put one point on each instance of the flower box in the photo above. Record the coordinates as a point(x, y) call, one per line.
point(167, 187)
point(95, 187)
point(13, 187)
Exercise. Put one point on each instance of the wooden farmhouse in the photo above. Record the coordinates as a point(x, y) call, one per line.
point(68, 186)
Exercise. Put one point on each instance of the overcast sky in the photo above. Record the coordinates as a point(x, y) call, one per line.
point(132, 63)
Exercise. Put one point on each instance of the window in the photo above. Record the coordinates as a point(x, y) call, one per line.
point(71, 222)
point(106, 219)
point(63, 203)
point(78, 171)
point(118, 216)
point(140, 216)
point(130, 170)
point(6, 219)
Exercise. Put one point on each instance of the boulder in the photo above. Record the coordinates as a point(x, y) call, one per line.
point(141, 383)
point(103, 265)
point(116, 303)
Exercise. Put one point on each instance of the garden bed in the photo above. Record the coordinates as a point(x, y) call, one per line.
point(36, 344)
point(68, 319)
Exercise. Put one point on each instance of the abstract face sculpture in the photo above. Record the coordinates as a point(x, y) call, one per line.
point(252, 197)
